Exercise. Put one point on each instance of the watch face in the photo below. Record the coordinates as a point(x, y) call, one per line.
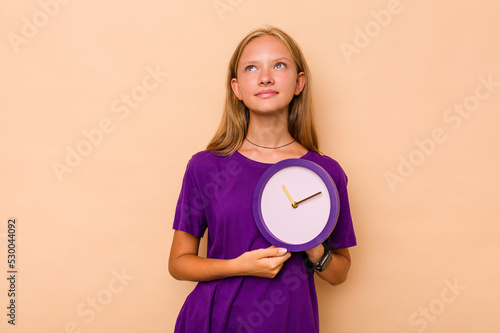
point(296, 204)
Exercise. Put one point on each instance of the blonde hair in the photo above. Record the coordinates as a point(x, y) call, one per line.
point(235, 118)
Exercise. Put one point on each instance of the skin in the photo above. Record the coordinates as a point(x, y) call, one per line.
point(267, 81)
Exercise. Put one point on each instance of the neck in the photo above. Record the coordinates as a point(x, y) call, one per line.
point(269, 131)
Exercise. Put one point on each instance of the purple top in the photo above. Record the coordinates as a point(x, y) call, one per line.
point(217, 194)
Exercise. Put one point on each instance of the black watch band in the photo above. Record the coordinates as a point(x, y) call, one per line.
point(323, 263)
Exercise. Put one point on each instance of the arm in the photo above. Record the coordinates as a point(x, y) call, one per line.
point(336, 273)
point(185, 264)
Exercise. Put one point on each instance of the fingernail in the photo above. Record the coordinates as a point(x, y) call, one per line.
point(282, 250)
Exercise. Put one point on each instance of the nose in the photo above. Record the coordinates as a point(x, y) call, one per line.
point(266, 77)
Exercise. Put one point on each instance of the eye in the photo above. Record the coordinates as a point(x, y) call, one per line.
point(280, 65)
point(250, 68)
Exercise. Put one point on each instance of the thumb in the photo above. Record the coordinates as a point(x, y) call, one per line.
point(276, 251)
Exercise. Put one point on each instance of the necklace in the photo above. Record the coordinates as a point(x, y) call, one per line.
point(286, 144)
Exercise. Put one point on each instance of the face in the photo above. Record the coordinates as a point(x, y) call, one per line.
point(267, 77)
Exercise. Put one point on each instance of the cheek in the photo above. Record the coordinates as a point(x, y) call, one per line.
point(244, 85)
point(291, 81)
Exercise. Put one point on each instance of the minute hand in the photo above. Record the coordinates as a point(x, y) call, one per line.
point(309, 197)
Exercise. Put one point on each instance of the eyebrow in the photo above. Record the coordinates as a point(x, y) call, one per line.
point(274, 60)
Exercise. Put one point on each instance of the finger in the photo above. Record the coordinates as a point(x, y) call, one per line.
point(269, 252)
point(274, 251)
point(280, 260)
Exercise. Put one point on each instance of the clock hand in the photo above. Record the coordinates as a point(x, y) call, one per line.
point(309, 197)
point(294, 204)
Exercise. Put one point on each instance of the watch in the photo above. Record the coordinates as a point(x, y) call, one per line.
point(323, 263)
point(296, 204)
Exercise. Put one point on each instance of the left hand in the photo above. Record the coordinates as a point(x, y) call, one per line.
point(337, 271)
point(316, 253)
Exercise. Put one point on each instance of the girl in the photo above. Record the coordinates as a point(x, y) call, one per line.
point(246, 285)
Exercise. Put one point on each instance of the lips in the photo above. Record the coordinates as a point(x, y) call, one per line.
point(267, 93)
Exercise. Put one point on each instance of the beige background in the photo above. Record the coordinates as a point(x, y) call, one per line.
point(423, 176)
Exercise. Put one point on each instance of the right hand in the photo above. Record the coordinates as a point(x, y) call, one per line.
point(264, 263)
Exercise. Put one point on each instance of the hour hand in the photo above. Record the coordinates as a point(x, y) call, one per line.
point(294, 204)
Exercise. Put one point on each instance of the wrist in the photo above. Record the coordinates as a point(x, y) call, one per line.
point(317, 255)
point(235, 267)
point(314, 255)
point(320, 262)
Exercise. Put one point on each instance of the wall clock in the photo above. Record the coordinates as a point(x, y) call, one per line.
point(296, 204)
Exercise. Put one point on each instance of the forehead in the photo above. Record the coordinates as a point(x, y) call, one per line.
point(264, 47)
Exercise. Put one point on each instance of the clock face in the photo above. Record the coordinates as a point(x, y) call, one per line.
point(296, 204)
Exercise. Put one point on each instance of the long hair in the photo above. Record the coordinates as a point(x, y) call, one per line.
point(235, 118)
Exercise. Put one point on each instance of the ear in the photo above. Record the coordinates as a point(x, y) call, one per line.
point(236, 88)
point(301, 82)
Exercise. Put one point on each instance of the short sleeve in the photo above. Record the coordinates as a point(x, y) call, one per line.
point(190, 215)
point(343, 234)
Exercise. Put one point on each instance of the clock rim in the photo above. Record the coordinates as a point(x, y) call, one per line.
point(334, 204)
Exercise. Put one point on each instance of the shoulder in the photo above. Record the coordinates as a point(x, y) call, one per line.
point(331, 166)
point(205, 162)
point(326, 162)
point(203, 158)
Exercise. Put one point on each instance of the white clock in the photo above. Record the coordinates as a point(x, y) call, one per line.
point(296, 204)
